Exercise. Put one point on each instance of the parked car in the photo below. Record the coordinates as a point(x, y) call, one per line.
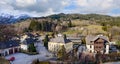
point(11, 59)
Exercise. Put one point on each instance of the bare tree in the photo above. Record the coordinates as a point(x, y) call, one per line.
point(6, 32)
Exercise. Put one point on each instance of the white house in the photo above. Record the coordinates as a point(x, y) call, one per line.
point(27, 39)
point(55, 44)
point(97, 43)
point(9, 47)
point(25, 44)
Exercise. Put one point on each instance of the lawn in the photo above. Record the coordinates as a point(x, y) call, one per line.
point(95, 29)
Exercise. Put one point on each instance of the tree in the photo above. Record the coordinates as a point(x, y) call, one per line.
point(118, 44)
point(70, 23)
point(31, 48)
point(83, 41)
point(58, 28)
point(25, 30)
point(34, 25)
point(61, 54)
point(104, 28)
point(46, 41)
point(6, 32)
point(53, 35)
point(65, 36)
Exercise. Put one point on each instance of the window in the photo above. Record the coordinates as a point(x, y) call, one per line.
point(90, 46)
point(99, 47)
point(90, 51)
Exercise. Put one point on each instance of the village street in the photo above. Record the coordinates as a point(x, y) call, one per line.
point(21, 58)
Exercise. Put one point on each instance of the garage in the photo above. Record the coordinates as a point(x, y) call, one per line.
point(11, 51)
point(16, 50)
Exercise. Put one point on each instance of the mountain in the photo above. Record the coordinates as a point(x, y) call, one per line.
point(10, 19)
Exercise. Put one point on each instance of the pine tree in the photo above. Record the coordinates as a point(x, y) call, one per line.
point(46, 41)
point(70, 23)
point(31, 48)
point(33, 25)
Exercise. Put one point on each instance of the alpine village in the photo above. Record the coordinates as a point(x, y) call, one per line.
point(60, 39)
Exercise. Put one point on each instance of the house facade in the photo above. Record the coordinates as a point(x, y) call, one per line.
point(97, 43)
point(55, 44)
point(9, 47)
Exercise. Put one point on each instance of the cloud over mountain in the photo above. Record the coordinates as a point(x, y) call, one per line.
point(46, 7)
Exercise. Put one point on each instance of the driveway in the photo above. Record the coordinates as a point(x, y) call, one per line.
point(21, 58)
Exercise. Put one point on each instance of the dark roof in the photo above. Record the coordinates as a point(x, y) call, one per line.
point(30, 35)
point(29, 41)
point(60, 40)
point(75, 39)
point(9, 44)
point(90, 38)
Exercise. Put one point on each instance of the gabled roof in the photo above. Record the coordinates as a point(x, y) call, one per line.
point(29, 41)
point(60, 39)
point(102, 37)
point(90, 38)
point(9, 44)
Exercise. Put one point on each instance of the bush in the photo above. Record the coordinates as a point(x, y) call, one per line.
point(31, 48)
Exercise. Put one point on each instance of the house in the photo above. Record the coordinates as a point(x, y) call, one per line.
point(27, 39)
point(26, 35)
point(25, 44)
point(55, 44)
point(97, 43)
point(9, 47)
point(76, 40)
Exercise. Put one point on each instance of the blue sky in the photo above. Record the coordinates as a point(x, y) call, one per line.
point(48, 7)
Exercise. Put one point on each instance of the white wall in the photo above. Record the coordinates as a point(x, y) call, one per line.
point(88, 48)
point(7, 50)
point(69, 46)
point(107, 49)
point(24, 47)
point(55, 47)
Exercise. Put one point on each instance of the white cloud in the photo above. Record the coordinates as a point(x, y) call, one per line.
point(46, 7)
point(94, 6)
point(25, 3)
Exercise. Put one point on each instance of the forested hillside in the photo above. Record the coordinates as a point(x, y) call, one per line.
point(71, 23)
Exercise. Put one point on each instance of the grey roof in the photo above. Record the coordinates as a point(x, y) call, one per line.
point(29, 41)
point(75, 39)
point(30, 35)
point(60, 40)
point(9, 44)
point(90, 38)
